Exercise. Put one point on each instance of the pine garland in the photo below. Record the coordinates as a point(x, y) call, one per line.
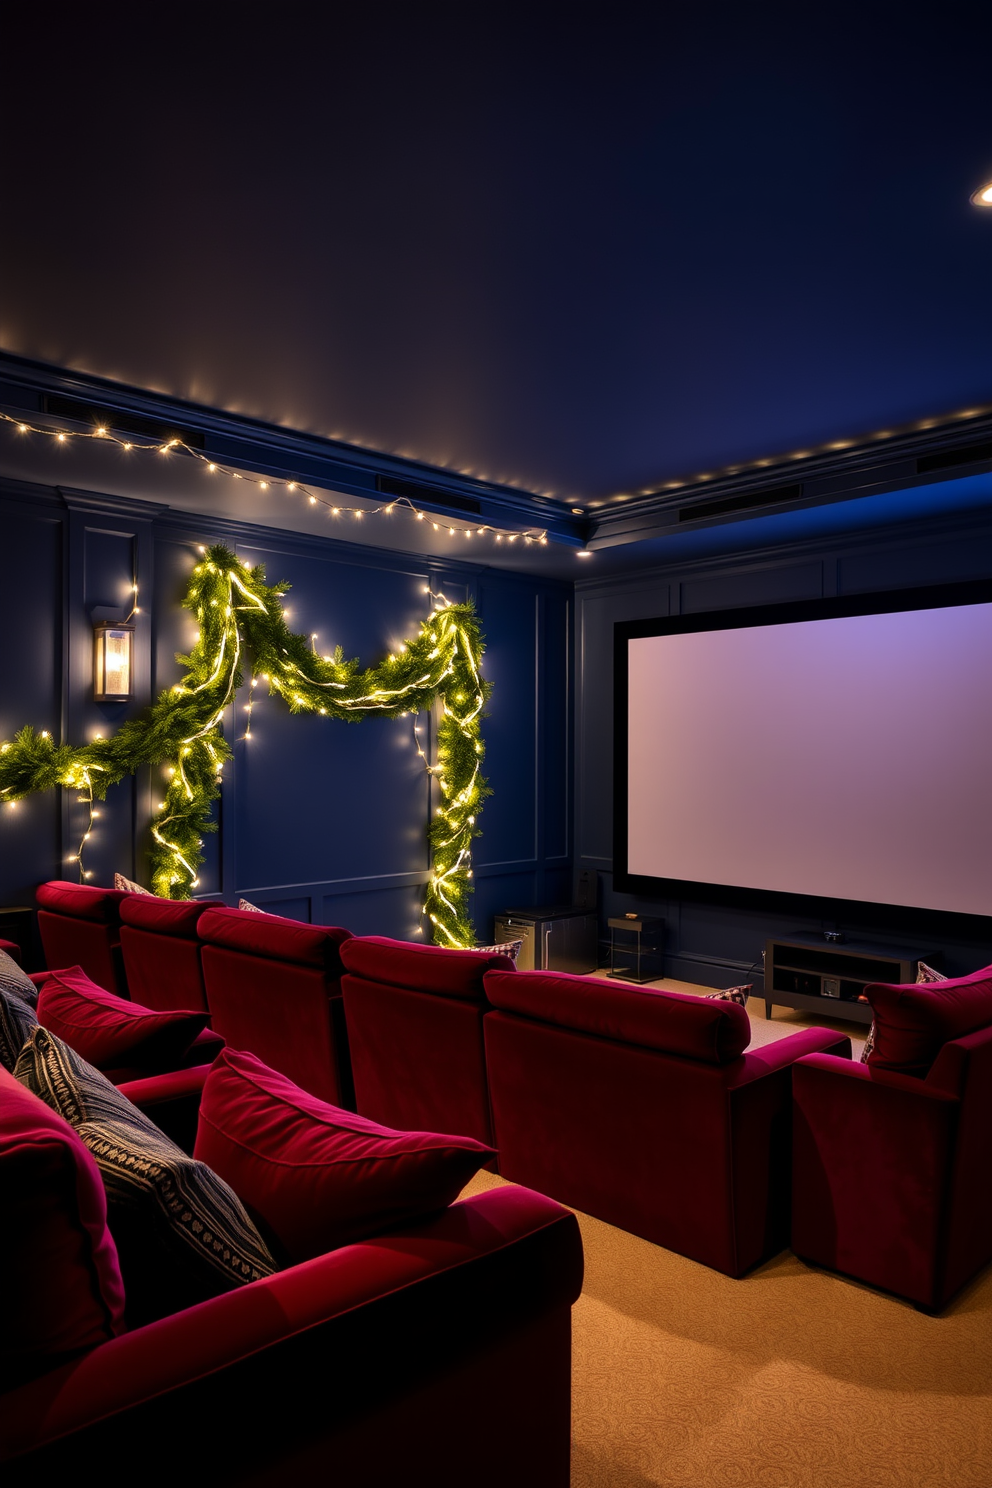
point(242, 626)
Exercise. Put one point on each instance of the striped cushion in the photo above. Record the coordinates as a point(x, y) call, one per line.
point(182, 1235)
point(13, 979)
point(18, 1021)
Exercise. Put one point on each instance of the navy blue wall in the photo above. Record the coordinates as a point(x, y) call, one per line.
point(320, 820)
point(325, 821)
point(704, 943)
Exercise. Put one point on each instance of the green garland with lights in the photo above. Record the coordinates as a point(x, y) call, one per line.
point(242, 626)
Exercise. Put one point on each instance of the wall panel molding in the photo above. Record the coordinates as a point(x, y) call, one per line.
point(361, 592)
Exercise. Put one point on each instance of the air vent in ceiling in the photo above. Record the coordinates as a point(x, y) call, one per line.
point(120, 423)
point(770, 496)
point(969, 454)
point(429, 495)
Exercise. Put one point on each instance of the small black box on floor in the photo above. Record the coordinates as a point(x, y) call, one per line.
point(637, 948)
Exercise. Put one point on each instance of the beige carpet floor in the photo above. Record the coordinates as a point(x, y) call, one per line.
point(791, 1378)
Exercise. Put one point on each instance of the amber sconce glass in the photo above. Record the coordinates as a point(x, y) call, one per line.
point(113, 662)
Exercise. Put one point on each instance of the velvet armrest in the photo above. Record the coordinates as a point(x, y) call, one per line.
point(152, 1090)
point(881, 1080)
point(302, 1334)
point(758, 1090)
point(171, 1100)
point(200, 1055)
point(779, 1055)
point(871, 1160)
point(204, 1049)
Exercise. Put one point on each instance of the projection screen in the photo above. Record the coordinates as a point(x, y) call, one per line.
point(807, 750)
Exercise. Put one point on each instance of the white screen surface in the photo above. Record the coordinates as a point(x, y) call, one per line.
point(847, 757)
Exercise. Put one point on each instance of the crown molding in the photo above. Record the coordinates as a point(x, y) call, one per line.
point(825, 476)
point(976, 523)
point(271, 450)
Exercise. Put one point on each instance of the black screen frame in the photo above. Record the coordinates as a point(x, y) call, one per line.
point(859, 911)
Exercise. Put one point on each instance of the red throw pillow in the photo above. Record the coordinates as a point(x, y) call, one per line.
point(108, 1031)
point(320, 1177)
point(912, 1023)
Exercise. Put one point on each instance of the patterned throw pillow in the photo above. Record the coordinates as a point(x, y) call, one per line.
point(182, 1235)
point(739, 995)
point(252, 908)
point(17, 1023)
point(509, 948)
point(128, 886)
point(13, 979)
point(924, 973)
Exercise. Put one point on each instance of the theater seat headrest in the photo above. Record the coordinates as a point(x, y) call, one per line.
point(420, 968)
point(274, 937)
point(80, 901)
point(671, 1022)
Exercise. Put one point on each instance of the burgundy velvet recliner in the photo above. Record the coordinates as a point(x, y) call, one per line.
point(273, 988)
point(379, 1363)
point(893, 1158)
point(81, 926)
point(161, 950)
point(641, 1108)
point(414, 1016)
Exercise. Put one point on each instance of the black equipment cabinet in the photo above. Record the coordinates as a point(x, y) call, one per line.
point(829, 977)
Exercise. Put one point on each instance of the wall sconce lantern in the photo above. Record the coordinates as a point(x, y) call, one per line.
point(113, 672)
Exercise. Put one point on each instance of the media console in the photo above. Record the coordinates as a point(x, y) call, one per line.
point(820, 976)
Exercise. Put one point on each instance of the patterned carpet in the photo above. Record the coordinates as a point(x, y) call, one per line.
point(791, 1378)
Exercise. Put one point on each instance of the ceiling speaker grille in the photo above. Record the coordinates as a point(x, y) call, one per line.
point(770, 496)
point(969, 454)
point(390, 485)
point(121, 423)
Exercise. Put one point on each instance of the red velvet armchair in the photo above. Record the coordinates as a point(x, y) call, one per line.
point(641, 1108)
point(161, 950)
point(415, 1017)
point(891, 1169)
point(380, 1363)
point(81, 926)
point(273, 987)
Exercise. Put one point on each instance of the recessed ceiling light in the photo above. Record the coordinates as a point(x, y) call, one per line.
point(584, 553)
point(983, 196)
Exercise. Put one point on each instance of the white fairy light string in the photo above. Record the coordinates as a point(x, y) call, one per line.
point(335, 508)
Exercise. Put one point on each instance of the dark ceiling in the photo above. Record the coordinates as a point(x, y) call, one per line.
point(584, 249)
